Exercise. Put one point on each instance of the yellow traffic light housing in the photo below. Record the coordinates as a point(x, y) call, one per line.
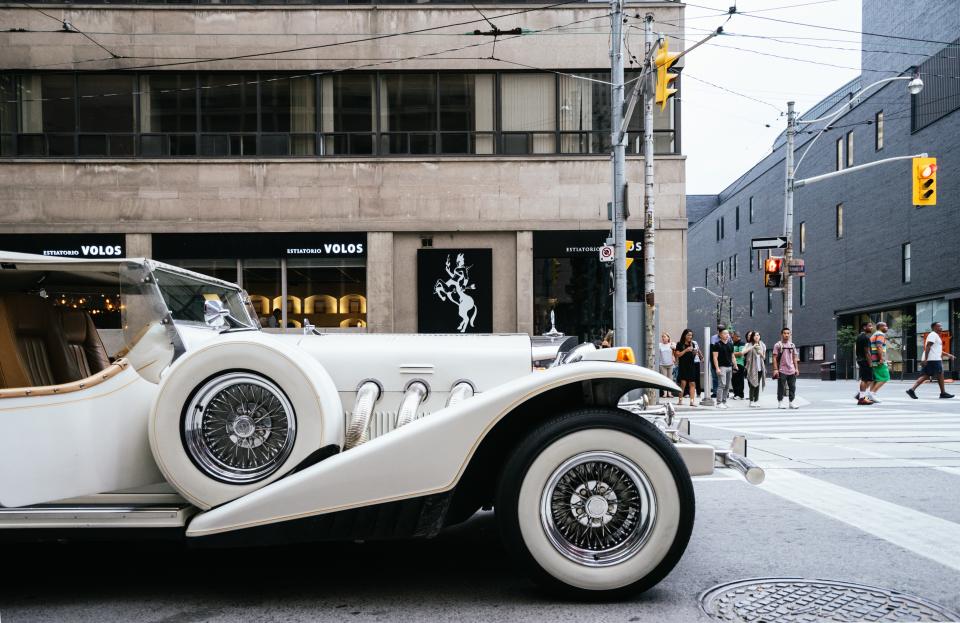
point(924, 181)
point(773, 272)
point(663, 61)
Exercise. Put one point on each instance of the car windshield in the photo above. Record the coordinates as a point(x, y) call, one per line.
point(185, 295)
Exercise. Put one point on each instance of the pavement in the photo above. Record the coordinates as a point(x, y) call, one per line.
point(860, 494)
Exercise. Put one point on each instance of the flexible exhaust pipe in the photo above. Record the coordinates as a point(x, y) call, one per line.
point(412, 399)
point(367, 396)
point(460, 392)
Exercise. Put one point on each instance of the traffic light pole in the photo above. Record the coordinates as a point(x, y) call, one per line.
point(649, 228)
point(619, 174)
point(788, 218)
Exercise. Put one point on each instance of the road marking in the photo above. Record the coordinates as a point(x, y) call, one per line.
point(920, 533)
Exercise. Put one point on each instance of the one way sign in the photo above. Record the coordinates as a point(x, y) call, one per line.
point(769, 243)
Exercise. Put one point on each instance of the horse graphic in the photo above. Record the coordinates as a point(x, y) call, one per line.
point(455, 289)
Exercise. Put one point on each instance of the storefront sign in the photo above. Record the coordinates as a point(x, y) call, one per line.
point(266, 245)
point(455, 290)
point(96, 246)
point(580, 243)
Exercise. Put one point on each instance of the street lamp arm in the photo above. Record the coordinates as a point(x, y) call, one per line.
point(708, 291)
point(832, 116)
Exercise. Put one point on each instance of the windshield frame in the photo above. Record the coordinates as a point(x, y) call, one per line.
point(241, 315)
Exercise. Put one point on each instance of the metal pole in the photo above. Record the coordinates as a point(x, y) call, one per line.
point(619, 165)
point(788, 219)
point(649, 233)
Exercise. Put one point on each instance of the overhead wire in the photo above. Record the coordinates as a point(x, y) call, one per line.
point(70, 27)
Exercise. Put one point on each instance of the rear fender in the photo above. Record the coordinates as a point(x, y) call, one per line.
point(428, 456)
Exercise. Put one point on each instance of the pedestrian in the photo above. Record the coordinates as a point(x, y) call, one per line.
point(786, 365)
point(755, 361)
point(698, 385)
point(721, 354)
point(932, 361)
point(738, 372)
point(687, 370)
point(864, 364)
point(667, 359)
point(713, 373)
point(878, 352)
point(274, 321)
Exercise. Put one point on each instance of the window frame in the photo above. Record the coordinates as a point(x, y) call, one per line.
point(906, 262)
point(838, 221)
point(803, 236)
point(849, 146)
point(840, 160)
point(878, 131)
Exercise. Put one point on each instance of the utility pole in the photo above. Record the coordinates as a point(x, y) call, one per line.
point(788, 219)
point(619, 177)
point(649, 230)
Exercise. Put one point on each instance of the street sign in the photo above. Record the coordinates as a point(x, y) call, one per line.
point(778, 242)
point(606, 253)
point(795, 267)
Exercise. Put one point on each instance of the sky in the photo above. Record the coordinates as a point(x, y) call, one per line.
point(724, 134)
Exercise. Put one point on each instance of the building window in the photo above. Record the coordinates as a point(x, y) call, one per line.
point(751, 209)
point(905, 253)
point(803, 236)
point(737, 214)
point(878, 130)
point(723, 228)
point(706, 277)
point(751, 303)
point(839, 221)
point(769, 300)
point(840, 154)
point(850, 148)
point(803, 290)
point(734, 266)
point(718, 230)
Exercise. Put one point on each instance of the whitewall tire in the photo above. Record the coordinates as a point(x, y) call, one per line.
point(596, 503)
point(236, 415)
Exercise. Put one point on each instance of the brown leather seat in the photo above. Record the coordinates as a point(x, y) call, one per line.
point(84, 342)
point(33, 348)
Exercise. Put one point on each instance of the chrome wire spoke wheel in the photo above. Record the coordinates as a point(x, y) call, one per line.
point(598, 508)
point(239, 428)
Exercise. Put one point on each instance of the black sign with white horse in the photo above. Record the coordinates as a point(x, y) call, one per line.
point(455, 290)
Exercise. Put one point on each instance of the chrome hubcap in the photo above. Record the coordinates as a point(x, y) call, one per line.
point(598, 508)
point(239, 428)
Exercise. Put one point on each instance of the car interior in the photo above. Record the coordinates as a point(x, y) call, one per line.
point(47, 331)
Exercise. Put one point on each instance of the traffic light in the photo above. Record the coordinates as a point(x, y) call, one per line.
point(664, 60)
point(773, 272)
point(924, 181)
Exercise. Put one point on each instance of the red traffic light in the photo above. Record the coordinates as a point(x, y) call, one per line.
point(773, 272)
point(928, 170)
point(774, 265)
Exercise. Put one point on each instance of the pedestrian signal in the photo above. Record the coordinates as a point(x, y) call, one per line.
point(773, 272)
point(924, 181)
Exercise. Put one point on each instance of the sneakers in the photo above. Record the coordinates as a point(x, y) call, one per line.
point(946, 395)
point(864, 401)
point(780, 405)
point(912, 394)
point(794, 405)
point(873, 398)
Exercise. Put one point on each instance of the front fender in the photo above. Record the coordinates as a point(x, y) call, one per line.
point(425, 457)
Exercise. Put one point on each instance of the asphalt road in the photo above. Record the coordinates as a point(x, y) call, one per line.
point(871, 505)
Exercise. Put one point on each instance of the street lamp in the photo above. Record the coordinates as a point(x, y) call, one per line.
point(914, 86)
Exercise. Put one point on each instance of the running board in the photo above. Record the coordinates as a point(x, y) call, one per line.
point(100, 516)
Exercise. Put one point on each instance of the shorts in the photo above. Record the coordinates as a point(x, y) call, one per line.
point(866, 372)
point(933, 368)
point(881, 373)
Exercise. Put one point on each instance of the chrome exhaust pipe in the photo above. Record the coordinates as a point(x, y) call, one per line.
point(752, 472)
point(367, 396)
point(460, 392)
point(412, 399)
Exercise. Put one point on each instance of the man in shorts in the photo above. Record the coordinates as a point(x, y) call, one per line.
point(878, 351)
point(932, 361)
point(863, 364)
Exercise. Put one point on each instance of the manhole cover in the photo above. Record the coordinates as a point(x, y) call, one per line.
point(798, 600)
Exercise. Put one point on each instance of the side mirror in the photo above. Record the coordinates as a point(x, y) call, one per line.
point(214, 314)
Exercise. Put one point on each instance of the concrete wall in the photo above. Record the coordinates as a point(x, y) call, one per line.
point(165, 35)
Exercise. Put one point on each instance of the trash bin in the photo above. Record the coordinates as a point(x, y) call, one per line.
point(828, 371)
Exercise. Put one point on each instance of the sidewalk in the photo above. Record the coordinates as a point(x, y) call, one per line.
point(768, 400)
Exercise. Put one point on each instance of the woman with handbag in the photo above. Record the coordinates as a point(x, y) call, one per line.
point(687, 370)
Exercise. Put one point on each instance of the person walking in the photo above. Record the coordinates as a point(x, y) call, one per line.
point(932, 361)
point(723, 363)
point(738, 372)
point(667, 359)
point(687, 371)
point(864, 365)
point(878, 352)
point(786, 363)
point(713, 373)
point(755, 362)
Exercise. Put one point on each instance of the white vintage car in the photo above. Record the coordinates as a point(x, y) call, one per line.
point(185, 416)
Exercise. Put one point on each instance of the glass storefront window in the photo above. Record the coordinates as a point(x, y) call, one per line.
point(329, 293)
point(262, 281)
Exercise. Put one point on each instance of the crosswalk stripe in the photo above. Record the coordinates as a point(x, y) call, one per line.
point(883, 434)
point(832, 426)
